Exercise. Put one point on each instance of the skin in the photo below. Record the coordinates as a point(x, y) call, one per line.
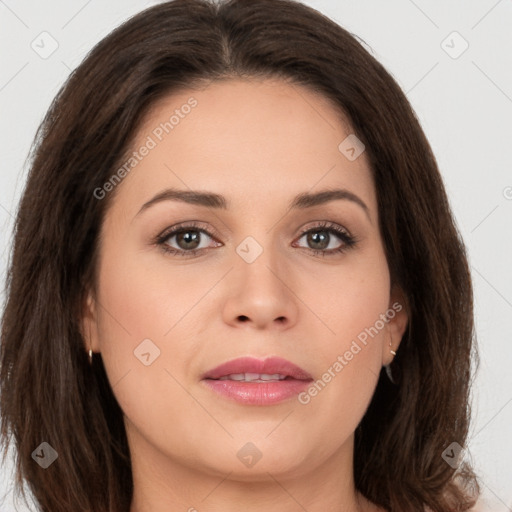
point(259, 143)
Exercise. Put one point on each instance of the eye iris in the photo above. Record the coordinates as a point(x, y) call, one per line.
point(314, 238)
point(188, 238)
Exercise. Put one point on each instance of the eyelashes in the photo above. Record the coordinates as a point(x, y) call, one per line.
point(181, 229)
point(182, 232)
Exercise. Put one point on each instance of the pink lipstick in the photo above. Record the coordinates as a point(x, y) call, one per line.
point(252, 381)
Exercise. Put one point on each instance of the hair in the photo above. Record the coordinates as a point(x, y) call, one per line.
point(50, 392)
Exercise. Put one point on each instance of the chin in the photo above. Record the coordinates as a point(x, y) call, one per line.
point(247, 463)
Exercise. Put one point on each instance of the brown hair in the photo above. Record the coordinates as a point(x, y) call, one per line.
point(50, 393)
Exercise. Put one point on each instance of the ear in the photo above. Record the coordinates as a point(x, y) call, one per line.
point(89, 324)
point(398, 319)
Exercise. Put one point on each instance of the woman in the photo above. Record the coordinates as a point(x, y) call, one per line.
point(236, 280)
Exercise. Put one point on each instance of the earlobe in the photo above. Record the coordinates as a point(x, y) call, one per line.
point(396, 326)
point(88, 324)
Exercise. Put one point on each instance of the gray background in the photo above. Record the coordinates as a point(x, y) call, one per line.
point(463, 101)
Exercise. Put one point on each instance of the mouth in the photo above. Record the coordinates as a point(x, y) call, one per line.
point(251, 368)
point(255, 377)
point(252, 381)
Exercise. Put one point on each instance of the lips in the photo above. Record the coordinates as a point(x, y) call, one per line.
point(251, 381)
point(252, 369)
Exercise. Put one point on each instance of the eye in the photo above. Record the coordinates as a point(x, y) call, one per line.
point(187, 239)
point(320, 238)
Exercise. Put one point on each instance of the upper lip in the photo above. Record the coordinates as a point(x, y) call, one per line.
point(271, 366)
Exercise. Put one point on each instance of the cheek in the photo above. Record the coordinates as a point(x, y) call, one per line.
point(348, 346)
point(143, 297)
point(144, 365)
point(349, 298)
point(136, 312)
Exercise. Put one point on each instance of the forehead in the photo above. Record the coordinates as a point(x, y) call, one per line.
point(250, 140)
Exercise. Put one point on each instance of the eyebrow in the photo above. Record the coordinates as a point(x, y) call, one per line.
point(212, 200)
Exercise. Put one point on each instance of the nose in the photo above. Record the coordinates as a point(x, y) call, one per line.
point(262, 294)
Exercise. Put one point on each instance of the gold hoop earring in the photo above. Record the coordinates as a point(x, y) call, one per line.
point(388, 367)
point(90, 356)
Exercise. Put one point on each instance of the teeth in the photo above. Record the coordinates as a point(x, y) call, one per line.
point(253, 377)
point(235, 376)
point(276, 376)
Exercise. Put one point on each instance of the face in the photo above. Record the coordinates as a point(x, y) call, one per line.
point(255, 273)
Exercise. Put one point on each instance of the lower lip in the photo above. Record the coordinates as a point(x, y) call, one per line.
point(258, 393)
